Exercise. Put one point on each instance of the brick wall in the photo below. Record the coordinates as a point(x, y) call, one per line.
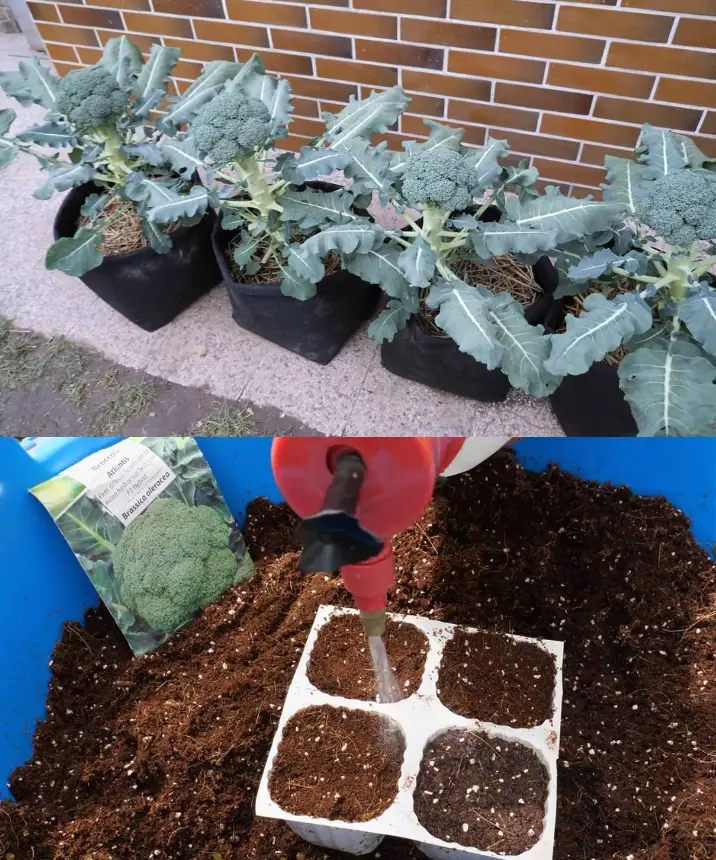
point(7, 19)
point(564, 82)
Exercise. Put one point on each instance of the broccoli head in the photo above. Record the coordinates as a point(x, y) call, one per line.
point(91, 98)
point(680, 207)
point(228, 127)
point(171, 561)
point(439, 178)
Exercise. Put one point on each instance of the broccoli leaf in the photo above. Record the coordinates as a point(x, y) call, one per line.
point(31, 84)
point(231, 219)
point(275, 94)
point(497, 239)
point(356, 237)
point(418, 263)
point(444, 136)
point(54, 134)
point(8, 151)
point(526, 347)
point(76, 256)
point(601, 262)
point(253, 67)
point(183, 155)
point(369, 168)
point(142, 106)
point(698, 311)
point(661, 152)
point(389, 322)
point(380, 266)
point(312, 162)
point(7, 118)
point(669, 386)
point(602, 327)
point(94, 205)
point(363, 118)
point(64, 178)
point(568, 216)
point(245, 249)
point(623, 179)
point(165, 204)
point(185, 109)
point(215, 75)
point(464, 315)
point(310, 208)
point(155, 74)
point(15, 86)
point(295, 285)
point(484, 164)
point(150, 152)
point(305, 263)
point(692, 155)
point(123, 59)
point(159, 241)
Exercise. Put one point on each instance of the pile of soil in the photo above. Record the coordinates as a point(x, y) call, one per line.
point(482, 792)
point(164, 753)
point(341, 664)
point(490, 677)
point(124, 234)
point(337, 763)
point(270, 271)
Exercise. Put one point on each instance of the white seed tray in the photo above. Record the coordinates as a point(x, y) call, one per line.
point(421, 717)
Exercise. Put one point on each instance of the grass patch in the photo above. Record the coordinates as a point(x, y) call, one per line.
point(224, 421)
point(17, 370)
point(125, 402)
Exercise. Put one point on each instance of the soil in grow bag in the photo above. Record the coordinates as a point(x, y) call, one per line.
point(593, 404)
point(424, 353)
point(147, 288)
point(489, 677)
point(317, 328)
point(341, 664)
point(165, 753)
point(337, 763)
point(482, 792)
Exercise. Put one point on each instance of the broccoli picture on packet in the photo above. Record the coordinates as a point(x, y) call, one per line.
point(150, 527)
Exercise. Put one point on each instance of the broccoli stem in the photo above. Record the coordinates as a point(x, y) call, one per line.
point(263, 194)
point(117, 162)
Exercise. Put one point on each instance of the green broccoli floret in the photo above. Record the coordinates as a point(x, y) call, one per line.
point(438, 178)
point(680, 207)
point(172, 560)
point(91, 98)
point(230, 126)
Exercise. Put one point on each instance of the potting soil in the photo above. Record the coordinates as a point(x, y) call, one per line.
point(490, 677)
point(341, 664)
point(337, 763)
point(164, 753)
point(482, 792)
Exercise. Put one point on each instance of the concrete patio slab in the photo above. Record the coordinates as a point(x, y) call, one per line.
point(205, 349)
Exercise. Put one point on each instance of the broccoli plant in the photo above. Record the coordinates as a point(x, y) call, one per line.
point(98, 129)
point(665, 314)
point(416, 267)
point(285, 226)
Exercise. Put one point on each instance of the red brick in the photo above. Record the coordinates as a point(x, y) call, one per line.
point(413, 125)
point(699, 92)
point(202, 8)
point(600, 80)
point(233, 34)
point(542, 185)
point(488, 114)
point(305, 107)
point(44, 12)
point(187, 69)
point(162, 25)
point(493, 65)
point(513, 12)
point(84, 17)
point(686, 7)
point(615, 22)
point(307, 127)
point(294, 143)
point(377, 76)
point(696, 32)
point(67, 53)
point(706, 144)
point(446, 85)
point(63, 68)
point(137, 5)
point(581, 192)
point(315, 89)
point(67, 35)
point(89, 56)
point(426, 105)
point(561, 101)
point(566, 172)
point(595, 154)
point(442, 33)
point(354, 23)
point(312, 43)
point(277, 14)
point(399, 55)
point(144, 43)
point(709, 126)
point(663, 60)
point(534, 144)
point(284, 64)
point(204, 52)
point(589, 129)
point(551, 46)
point(665, 116)
point(432, 8)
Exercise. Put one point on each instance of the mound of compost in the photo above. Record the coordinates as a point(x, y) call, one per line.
point(162, 754)
point(482, 792)
point(337, 763)
point(341, 664)
point(490, 677)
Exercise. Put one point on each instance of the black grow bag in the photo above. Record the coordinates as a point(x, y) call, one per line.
point(592, 404)
point(436, 361)
point(148, 288)
point(317, 328)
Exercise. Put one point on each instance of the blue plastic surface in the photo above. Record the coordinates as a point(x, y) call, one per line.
point(42, 585)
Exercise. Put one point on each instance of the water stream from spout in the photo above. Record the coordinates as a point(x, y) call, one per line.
point(385, 684)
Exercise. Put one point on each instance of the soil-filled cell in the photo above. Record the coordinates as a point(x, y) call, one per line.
point(491, 677)
point(341, 664)
point(337, 763)
point(482, 792)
